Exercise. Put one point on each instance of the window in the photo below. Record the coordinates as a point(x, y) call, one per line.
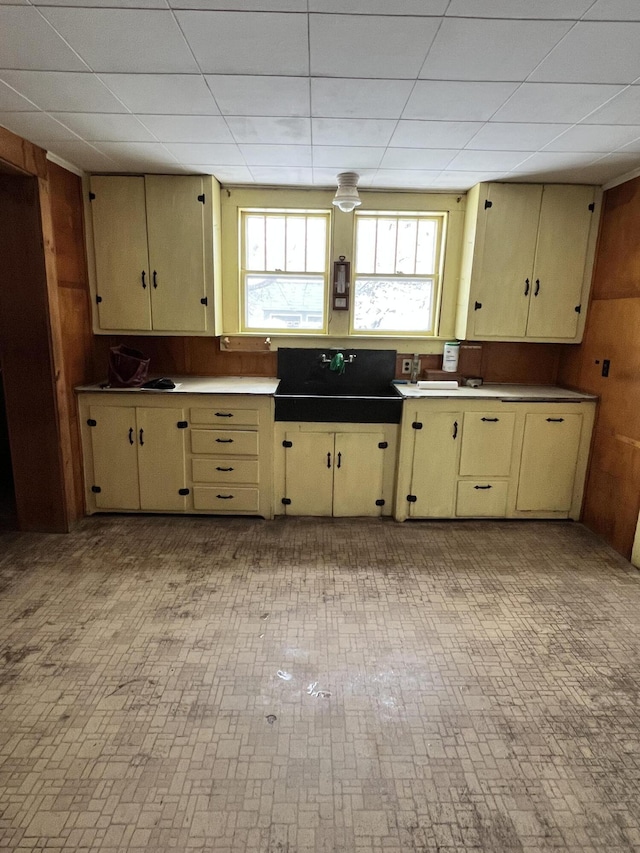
point(284, 263)
point(396, 282)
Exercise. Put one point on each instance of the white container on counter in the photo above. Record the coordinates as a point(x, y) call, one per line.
point(450, 356)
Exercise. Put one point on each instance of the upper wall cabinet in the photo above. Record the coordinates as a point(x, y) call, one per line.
point(526, 263)
point(155, 241)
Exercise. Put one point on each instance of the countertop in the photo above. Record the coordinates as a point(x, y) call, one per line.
point(505, 393)
point(257, 385)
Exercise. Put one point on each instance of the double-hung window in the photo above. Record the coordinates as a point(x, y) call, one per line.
point(397, 276)
point(284, 265)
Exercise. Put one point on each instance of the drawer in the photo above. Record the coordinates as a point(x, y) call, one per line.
point(223, 416)
point(487, 442)
point(224, 470)
point(224, 499)
point(231, 442)
point(482, 499)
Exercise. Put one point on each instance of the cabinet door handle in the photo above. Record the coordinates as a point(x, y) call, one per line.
point(328, 460)
point(555, 420)
point(527, 284)
point(141, 436)
point(482, 487)
point(155, 283)
point(223, 469)
point(224, 440)
point(537, 290)
point(224, 415)
point(144, 280)
point(130, 435)
point(339, 459)
point(455, 429)
point(490, 420)
point(224, 497)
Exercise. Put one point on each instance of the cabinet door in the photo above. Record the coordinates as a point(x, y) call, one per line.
point(309, 473)
point(487, 443)
point(548, 462)
point(435, 462)
point(561, 255)
point(120, 247)
point(115, 457)
point(175, 224)
point(511, 225)
point(161, 458)
point(357, 476)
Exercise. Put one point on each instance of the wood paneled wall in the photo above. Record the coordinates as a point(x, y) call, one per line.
point(612, 497)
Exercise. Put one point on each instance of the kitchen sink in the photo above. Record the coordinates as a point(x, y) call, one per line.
point(310, 391)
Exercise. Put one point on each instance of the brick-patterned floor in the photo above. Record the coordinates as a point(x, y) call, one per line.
point(177, 684)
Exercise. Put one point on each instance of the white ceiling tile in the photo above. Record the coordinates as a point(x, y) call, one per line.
point(15, 3)
point(241, 5)
point(351, 131)
point(225, 174)
point(406, 179)
point(469, 161)
point(456, 101)
point(433, 134)
point(124, 39)
point(11, 101)
point(27, 41)
point(491, 49)
point(554, 103)
point(274, 175)
point(417, 158)
point(594, 137)
point(545, 9)
point(277, 155)
point(188, 128)
point(277, 131)
point(602, 52)
point(238, 43)
point(614, 10)
point(547, 163)
point(251, 95)
point(514, 136)
point(162, 94)
point(37, 127)
point(63, 91)
point(201, 152)
point(375, 7)
point(624, 108)
point(369, 46)
point(106, 4)
point(102, 127)
point(609, 167)
point(462, 181)
point(374, 99)
point(346, 158)
point(137, 155)
point(632, 147)
point(83, 155)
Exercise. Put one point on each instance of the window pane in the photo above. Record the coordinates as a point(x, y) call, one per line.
point(406, 251)
point(316, 244)
point(386, 247)
point(426, 253)
point(284, 302)
point(255, 243)
point(403, 305)
point(296, 244)
point(365, 245)
point(275, 243)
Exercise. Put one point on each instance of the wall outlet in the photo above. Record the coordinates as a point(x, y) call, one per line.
point(406, 365)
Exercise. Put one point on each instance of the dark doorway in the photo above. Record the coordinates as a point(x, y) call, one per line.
point(8, 515)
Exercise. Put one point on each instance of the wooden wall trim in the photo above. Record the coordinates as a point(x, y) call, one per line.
point(24, 155)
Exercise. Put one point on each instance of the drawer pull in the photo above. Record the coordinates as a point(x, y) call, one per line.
point(482, 487)
point(490, 420)
point(555, 420)
point(224, 497)
point(224, 440)
point(218, 468)
point(224, 414)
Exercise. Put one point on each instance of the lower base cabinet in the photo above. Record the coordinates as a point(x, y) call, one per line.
point(550, 450)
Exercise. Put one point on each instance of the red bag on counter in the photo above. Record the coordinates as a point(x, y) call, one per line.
point(128, 368)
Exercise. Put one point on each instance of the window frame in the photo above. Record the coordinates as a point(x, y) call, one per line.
point(315, 213)
point(441, 217)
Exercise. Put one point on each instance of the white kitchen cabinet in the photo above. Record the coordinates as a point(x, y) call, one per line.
point(137, 457)
point(527, 260)
point(154, 241)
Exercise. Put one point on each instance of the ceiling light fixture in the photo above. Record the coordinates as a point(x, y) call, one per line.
point(346, 197)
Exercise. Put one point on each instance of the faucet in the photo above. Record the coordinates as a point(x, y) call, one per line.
point(415, 368)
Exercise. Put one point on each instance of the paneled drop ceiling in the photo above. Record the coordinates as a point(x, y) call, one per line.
point(412, 94)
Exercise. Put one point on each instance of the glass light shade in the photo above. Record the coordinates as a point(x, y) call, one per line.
point(346, 197)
